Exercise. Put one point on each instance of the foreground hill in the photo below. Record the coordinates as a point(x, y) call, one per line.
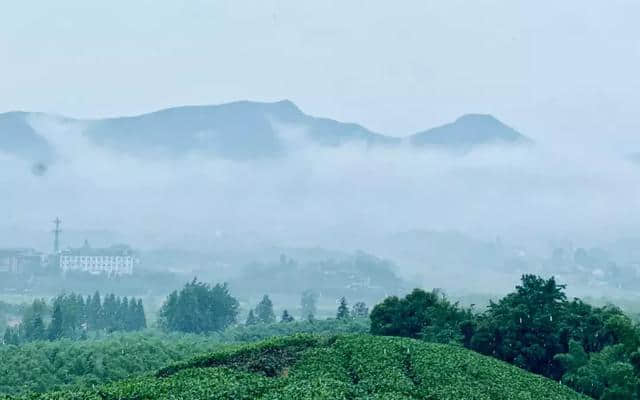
point(338, 367)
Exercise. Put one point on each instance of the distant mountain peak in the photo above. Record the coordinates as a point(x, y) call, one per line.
point(286, 103)
point(469, 131)
point(484, 118)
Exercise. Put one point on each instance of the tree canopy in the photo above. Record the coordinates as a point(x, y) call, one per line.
point(199, 308)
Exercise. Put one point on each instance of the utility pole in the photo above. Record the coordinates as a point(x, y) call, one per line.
point(56, 236)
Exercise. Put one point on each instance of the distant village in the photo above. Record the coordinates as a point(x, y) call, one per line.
point(115, 261)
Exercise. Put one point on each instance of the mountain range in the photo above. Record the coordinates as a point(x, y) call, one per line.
point(241, 130)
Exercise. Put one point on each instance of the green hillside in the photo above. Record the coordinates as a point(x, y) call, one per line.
point(338, 367)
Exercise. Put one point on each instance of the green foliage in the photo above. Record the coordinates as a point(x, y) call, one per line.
point(535, 328)
point(308, 302)
point(354, 367)
point(8, 312)
point(41, 366)
point(360, 310)
point(420, 314)
point(199, 308)
point(286, 317)
point(530, 326)
point(251, 318)
point(71, 317)
point(605, 375)
point(524, 326)
point(248, 333)
point(343, 309)
point(264, 311)
point(65, 363)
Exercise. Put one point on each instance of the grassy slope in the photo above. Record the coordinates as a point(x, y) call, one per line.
point(340, 367)
point(70, 365)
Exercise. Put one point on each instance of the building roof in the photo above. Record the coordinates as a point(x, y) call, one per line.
point(87, 250)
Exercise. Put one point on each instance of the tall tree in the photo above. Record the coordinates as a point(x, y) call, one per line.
point(286, 317)
point(141, 318)
point(360, 310)
point(130, 321)
point(264, 311)
point(110, 311)
point(343, 309)
point(251, 318)
point(82, 311)
point(524, 327)
point(11, 336)
point(56, 327)
point(308, 304)
point(95, 315)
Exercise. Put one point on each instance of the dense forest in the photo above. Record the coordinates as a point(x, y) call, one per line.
point(592, 349)
point(72, 316)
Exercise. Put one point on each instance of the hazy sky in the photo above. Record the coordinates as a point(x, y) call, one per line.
point(562, 70)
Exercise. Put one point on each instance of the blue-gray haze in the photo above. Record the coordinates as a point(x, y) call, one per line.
point(336, 124)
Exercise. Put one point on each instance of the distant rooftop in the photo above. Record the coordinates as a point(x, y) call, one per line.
point(87, 250)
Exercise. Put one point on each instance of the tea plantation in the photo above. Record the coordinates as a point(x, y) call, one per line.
point(337, 367)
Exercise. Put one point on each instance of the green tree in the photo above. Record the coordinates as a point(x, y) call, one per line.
point(199, 308)
point(11, 336)
point(343, 309)
point(286, 317)
point(525, 326)
point(605, 375)
point(110, 311)
point(308, 302)
point(360, 310)
point(131, 320)
point(264, 311)
point(123, 314)
point(95, 315)
point(37, 329)
point(81, 309)
point(251, 318)
point(56, 327)
point(141, 318)
point(420, 314)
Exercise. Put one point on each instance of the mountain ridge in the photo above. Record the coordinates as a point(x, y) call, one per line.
point(240, 130)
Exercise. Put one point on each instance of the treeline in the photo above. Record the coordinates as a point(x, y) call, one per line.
point(594, 350)
point(201, 308)
point(71, 316)
point(264, 314)
point(65, 364)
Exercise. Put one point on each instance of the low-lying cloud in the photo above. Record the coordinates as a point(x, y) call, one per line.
point(324, 196)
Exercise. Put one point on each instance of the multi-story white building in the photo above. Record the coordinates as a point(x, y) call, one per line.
point(112, 261)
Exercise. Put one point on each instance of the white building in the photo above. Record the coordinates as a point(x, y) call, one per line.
point(112, 261)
